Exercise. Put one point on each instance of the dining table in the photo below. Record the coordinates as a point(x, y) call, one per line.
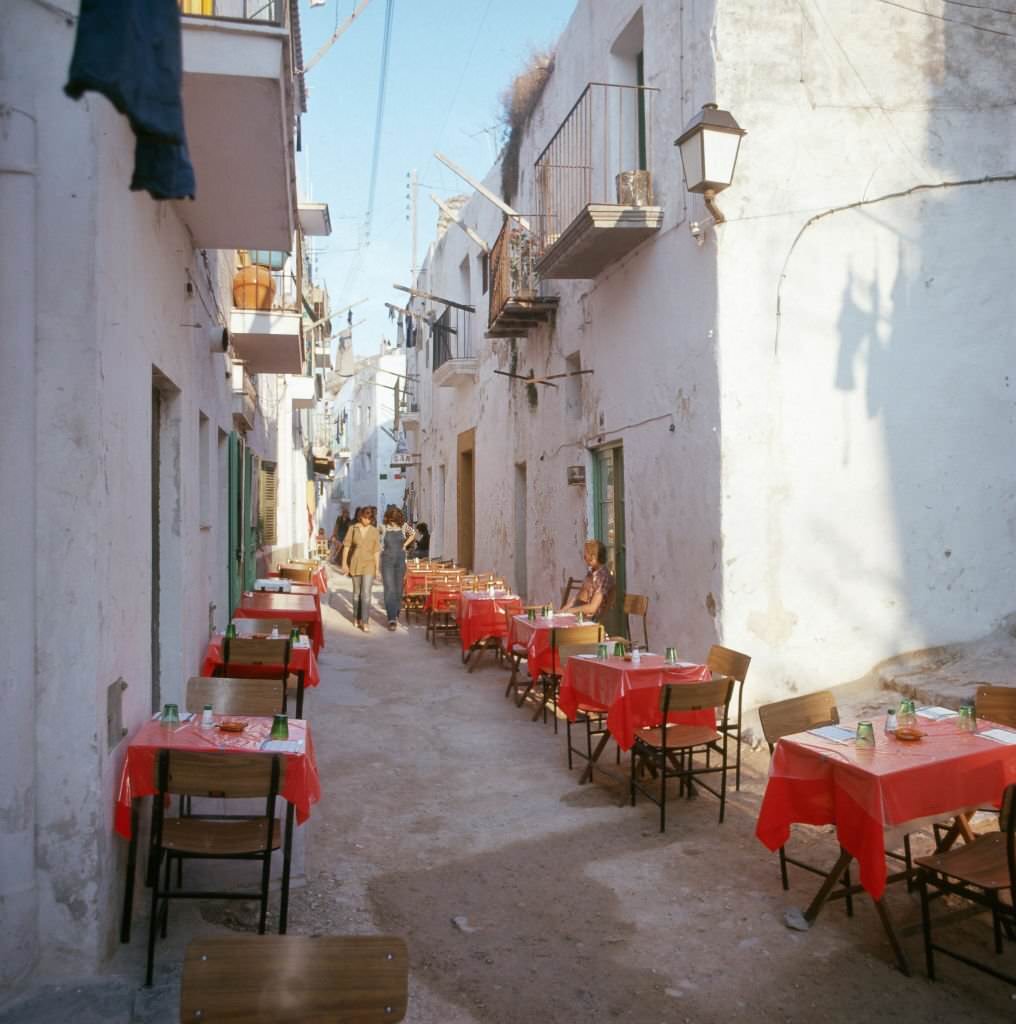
point(302, 663)
point(302, 610)
point(628, 694)
point(535, 636)
point(482, 621)
point(876, 795)
point(301, 786)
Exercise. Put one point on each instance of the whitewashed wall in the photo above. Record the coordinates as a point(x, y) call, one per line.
point(823, 487)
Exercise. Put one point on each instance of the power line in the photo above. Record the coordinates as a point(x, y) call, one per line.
point(382, 90)
point(952, 21)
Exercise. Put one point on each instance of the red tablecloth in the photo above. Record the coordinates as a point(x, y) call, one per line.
point(863, 791)
point(296, 607)
point(629, 695)
point(481, 616)
point(301, 659)
point(535, 636)
point(301, 785)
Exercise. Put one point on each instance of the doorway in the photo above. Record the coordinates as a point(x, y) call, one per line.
point(521, 571)
point(608, 523)
point(465, 493)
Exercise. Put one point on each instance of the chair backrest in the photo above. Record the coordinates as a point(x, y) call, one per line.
point(232, 696)
point(636, 604)
point(574, 583)
point(240, 651)
point(300, 574)
point(570, 650)
point(1007, 825)
point(726, 662)
point(713, 693)
point(290, 979)
point(996, 704)
point(248, 627)
point(797, 714)
point(233, 776)
point(589, 633)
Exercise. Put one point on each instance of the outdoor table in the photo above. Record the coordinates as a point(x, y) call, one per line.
point(874, 794)
point(628, 694)
point(300, 789)
point(298, 608)
point(535, 637)
point(302, 663)
point(481, 617)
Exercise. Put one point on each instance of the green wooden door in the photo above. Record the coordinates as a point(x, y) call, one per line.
point(608, 522)
point(234, 557)
point(250, 521)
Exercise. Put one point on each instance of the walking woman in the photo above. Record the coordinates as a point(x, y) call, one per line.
point(396, 536)
point(361, 555)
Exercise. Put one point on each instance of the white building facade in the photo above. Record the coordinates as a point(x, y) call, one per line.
point(792, 425)
point(147, 438)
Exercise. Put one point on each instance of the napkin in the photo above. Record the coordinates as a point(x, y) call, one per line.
point(999, 736)
point(936, 713)
point(836, 733)
point(283, 746)
point(185, 716)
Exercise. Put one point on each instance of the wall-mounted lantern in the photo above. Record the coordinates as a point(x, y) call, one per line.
point(709, 146)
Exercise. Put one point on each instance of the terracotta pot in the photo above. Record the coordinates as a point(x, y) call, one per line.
point(253, 288)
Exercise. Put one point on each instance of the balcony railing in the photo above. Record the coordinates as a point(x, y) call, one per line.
point(515, 302)
point(269, 12)
point(262, 287)
point(450, 336)
point(596, 166)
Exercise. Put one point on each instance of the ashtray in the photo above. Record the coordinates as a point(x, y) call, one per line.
point(627, 657)
point(909, 733)
point(232, 726)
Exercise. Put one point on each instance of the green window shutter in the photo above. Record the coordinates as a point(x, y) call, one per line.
point(267, 504)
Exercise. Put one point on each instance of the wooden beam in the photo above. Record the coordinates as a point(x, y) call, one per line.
point(417, 294)
point(485, 192)
point(453, 217)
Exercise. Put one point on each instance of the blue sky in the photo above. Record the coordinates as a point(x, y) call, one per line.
point(449, 62)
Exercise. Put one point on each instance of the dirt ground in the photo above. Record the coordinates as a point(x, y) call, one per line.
point(444, 802)
point(451, 819)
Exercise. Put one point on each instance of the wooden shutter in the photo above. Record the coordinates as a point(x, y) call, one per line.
point(266, 503)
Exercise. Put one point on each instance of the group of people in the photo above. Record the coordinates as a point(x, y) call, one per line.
point(364, 550)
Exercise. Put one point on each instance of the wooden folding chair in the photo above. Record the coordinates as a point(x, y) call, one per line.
point(723, 661)
point(248, 628)
point(574, 584)
point(594, 720)
point(637, 605)
point(236, 696)
point(297, 574)
point(211, 837)
point(550, 682)
point(294, 979)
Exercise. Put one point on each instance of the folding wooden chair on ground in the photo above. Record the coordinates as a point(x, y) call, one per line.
point(723, 661)
point(444, 600)
point(515, 653)
point(983, 872)
point(637, 605)
point(256, 659)
point(296, 574)
point(670, 750)
point(292, 979)
point(785, 718)
point(550, 682)
point(236, 696)
point(574, 584)
point(211, 837)
point(521, 688)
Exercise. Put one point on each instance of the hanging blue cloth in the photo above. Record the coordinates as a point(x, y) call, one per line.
point(130, 51)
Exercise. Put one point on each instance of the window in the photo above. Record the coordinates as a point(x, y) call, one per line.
point(267, 503)
point(485, 270)
point(204, 471)
point(573, 385)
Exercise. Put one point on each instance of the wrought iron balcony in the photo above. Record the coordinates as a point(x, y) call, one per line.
point(453, 358)
point(271, 12)
point(516, 305)
point(593, 184)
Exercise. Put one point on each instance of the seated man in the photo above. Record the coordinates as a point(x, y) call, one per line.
point(596, 595)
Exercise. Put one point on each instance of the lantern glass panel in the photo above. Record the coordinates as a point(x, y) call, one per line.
point(691, 159)
point(720, 154)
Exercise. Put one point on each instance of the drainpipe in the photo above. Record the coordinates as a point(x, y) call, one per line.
point(18, 898)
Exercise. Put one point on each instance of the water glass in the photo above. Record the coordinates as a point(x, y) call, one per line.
point(170, 714)
point(580, 618)
point(231, 632)
point(294, 636)
point(618, 649)
point(280, 727)
point(531, 614)
point(968, 718)
point(671, 656)
point(602, 651)
point(865, 734)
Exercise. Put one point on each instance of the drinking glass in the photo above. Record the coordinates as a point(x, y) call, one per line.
point(602, 651)
point(907, 716)
point(231, 631)
point(280, 727)
point(865, 734)
point(968, 718)
point(618, 649)
point(170, 714)
point(671, 656)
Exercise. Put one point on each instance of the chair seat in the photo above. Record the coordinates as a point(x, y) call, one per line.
point(982, 863)
point(218, 837)
point(679, 736)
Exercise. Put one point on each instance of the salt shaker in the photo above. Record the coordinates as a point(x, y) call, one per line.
point(890, 721)
point(207, 721)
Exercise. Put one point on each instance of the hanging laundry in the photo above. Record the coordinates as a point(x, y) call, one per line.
point(130, 51)
point(410, 331)
point(400, 339)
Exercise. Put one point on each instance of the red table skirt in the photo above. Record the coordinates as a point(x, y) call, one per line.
point(301, 659)
point(862, 792)
point(481, 617)
point(629, 695)
point(301, 785)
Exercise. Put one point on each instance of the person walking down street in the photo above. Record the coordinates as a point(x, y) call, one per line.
point(342, 525)
point(361, 555)
point(396, 536)
point(422, 549)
